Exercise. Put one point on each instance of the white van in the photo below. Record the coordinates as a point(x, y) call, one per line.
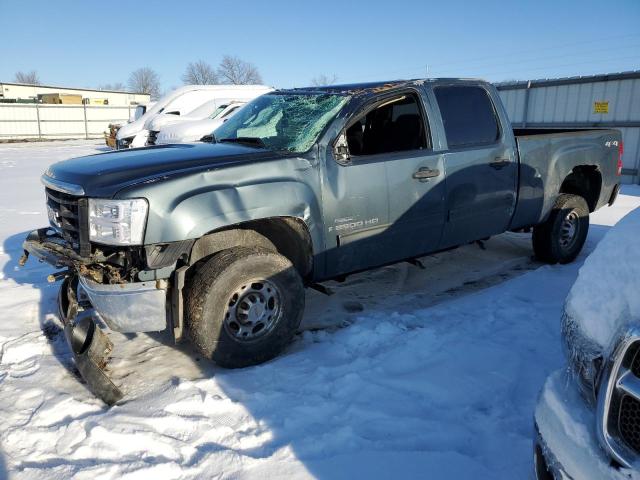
point(180, 102)
point(195, 130)
point(140, 110)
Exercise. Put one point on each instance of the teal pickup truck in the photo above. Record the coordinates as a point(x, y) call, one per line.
point(216, 241)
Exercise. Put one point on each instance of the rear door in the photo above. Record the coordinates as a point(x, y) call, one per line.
point(480, 163)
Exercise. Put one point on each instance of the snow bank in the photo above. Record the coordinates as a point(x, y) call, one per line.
point(606, 294)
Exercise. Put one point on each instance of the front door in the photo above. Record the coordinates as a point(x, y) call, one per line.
point(387, 202)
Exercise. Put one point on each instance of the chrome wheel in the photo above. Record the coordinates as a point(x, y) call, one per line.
point(252, 310)
point(569, 230)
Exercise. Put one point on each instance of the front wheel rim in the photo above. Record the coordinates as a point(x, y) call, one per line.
point(253, 310)
point(569, 230)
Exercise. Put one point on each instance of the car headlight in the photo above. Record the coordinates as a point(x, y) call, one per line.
point(117, 222)
point(584, 358)
point(124, 142)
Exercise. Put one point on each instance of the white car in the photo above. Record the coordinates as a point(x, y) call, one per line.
point(180, 102)
point(195, 130)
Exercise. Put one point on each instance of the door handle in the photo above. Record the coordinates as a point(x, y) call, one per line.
point(426, 173)
point(499, 163)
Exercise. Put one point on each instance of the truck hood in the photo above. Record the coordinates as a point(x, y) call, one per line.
point(103, 175)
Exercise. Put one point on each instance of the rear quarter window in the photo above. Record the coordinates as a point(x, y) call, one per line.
point(468, 115)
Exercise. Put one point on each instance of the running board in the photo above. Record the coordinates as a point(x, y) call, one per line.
point(318, 287)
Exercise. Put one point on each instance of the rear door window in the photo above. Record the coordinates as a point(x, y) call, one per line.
point(468, 116)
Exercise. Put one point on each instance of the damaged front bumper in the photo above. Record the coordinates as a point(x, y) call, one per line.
point(125, 307)
point(90, 346)
point(129, 307)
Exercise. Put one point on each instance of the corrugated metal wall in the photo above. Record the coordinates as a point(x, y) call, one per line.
point(571, 102)
point(32, 120)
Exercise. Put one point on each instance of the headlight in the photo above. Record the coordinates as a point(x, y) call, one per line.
point(124, 142)
point(584, 358)
point(117, 222)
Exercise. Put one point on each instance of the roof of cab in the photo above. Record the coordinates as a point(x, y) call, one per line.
point(375, 87)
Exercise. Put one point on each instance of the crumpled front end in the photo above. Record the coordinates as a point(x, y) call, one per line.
point(89, 344)
point(89, 297)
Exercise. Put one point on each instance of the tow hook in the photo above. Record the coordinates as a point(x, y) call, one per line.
point(23, 258)
point(54, 277)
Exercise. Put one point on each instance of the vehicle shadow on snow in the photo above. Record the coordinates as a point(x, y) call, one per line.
point(35, 274)
point(631, 190)
point(3, 466)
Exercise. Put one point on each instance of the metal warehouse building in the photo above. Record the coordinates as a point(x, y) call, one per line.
point(22, 116)
point(598, 101)
point(21, 91)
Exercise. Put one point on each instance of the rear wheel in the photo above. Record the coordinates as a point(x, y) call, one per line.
point(244, 306)
point(561, 238)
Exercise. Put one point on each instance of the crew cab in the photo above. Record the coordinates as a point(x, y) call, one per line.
point(217, 241)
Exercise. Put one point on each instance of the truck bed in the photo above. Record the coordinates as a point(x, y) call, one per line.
point(547, 156)
point(527, 132)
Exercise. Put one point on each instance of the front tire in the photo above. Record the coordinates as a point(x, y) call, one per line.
point(243, 306)
point(561, 238)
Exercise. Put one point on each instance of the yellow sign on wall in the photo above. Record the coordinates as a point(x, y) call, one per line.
point(601, 107)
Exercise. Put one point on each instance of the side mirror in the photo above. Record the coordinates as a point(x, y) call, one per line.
point(341, 150)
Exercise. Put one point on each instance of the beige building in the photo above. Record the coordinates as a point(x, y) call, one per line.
point(21, 92)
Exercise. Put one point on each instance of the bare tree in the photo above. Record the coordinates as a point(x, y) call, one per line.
point(238, 72)
point(323, 80)
point(145, 80)
point(30, 78)
point(117, 86)
point(200, 73)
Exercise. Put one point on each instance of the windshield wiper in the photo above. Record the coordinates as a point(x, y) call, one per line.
point(251, 141)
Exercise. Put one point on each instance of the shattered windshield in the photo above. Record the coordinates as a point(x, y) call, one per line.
point(282, 121)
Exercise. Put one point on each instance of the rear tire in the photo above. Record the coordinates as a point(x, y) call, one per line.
point(243, 306)
point(561, 238)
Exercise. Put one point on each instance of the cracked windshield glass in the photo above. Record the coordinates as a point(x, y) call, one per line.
point(282, 121)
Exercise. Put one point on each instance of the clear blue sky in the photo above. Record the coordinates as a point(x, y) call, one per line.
point(88, 43)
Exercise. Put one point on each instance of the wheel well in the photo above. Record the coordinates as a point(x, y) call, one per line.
point(585, 181)
point(288, 236)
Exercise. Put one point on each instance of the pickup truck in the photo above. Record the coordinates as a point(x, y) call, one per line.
point(216, 242)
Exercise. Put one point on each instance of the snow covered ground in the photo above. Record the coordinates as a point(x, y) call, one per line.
point(403, 373)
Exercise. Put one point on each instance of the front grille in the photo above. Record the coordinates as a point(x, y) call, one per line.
point(629, 421)
point(619, 402)
point(153, 137)
point(68, 216)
